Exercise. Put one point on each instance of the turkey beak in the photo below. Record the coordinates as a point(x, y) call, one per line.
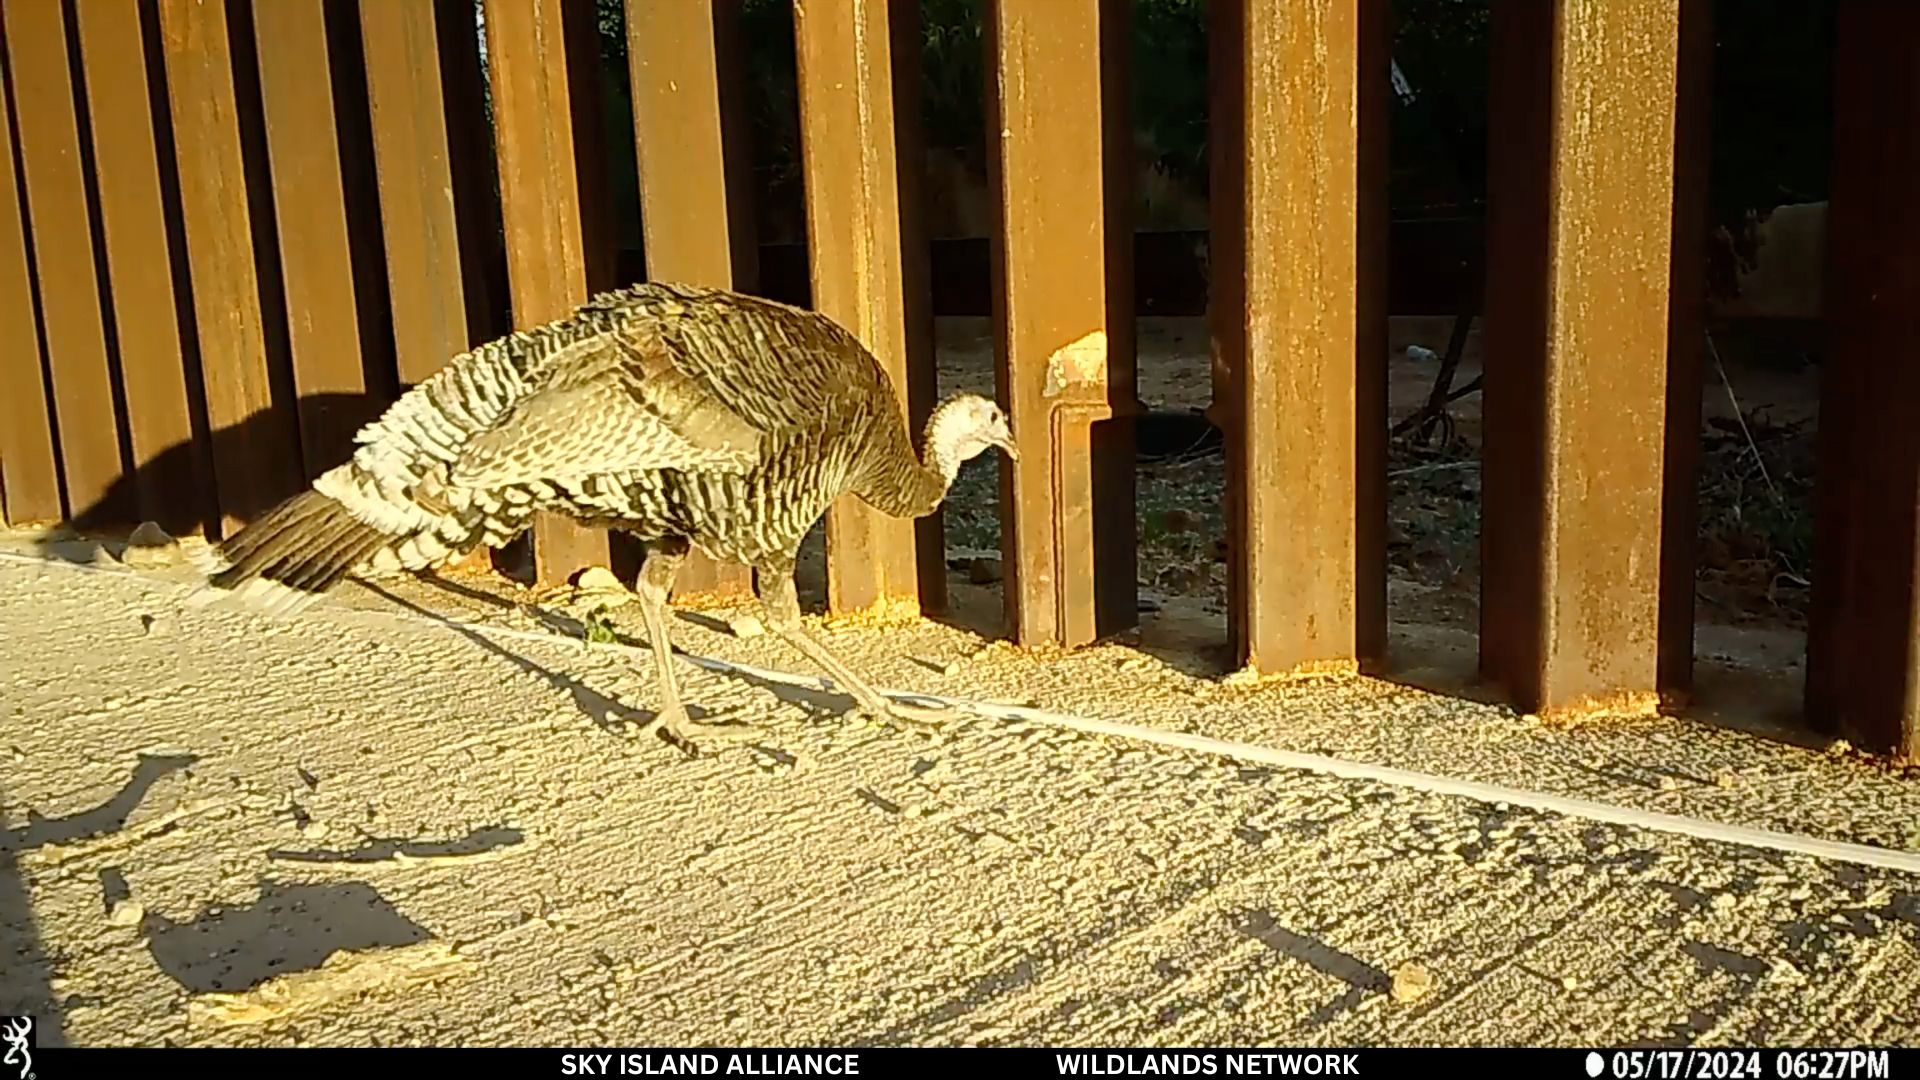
point(1004, 440)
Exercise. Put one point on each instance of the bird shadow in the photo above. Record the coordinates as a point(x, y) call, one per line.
point(109, 817)
point(818, 703)
point(607, 713)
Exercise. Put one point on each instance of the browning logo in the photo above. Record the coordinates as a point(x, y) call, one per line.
point(16, 1036)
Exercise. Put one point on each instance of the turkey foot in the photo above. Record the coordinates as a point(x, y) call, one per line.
point(656, 580)
point(916, 717)
point(782, 605)
point(690, 733)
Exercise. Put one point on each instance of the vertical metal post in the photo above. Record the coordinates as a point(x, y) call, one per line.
point(1060, 151)
point(859, 107)
point(1580, 234)
point(1299, 326)
point(694, 164)
point(1863, 645)
point(541, 197)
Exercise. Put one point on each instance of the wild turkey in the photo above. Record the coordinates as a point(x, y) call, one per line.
point(680, 415)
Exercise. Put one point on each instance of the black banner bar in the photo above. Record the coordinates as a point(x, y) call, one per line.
point(51, 1063)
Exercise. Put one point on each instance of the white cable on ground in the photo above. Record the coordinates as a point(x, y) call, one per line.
point(1587, 809)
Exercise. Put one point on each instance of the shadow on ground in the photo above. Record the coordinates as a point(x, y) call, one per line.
point(26, 989)
point(26, 964)
point(290, 928)
point(819, 704)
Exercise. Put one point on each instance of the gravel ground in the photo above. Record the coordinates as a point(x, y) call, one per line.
point(366, 826)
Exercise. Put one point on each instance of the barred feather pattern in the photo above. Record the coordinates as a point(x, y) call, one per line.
point(787, 411)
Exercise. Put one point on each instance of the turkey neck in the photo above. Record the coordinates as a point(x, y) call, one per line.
point(899, 485)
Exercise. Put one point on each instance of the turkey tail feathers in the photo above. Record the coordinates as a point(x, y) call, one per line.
point(291, 556)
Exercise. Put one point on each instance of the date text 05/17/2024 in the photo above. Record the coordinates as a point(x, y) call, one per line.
point(1739, 1065)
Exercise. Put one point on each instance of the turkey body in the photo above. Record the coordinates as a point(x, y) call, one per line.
point(660, 410)
point(684, 416)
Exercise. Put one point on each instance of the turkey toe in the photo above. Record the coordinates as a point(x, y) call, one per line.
point(913, 717)
point(690, 733)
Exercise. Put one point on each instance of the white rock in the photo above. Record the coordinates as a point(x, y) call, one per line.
point(600, 583)
point(746, 626)
point(126, 913)
point(150, 546)
point(1411, 982)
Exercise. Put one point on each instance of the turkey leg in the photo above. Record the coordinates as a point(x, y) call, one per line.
point(656, 583)
point(782, 604)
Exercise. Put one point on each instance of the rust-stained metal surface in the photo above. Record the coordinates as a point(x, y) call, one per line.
point(1299, 326)
point(1059, 162)
point(1686, 348)
point(695, 166)
point(58, 212)
point(1580, 237)
point(257, 455)
point(141, 257)
point(426, 275)
point(859, 110)
point(30, 471)
point(310, 202)
point(1864, 633)
point(540, 195)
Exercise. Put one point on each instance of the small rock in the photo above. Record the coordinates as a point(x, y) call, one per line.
point(951, 666)
point(746, 626)
point(1411, 982)
point(595, 578)
point(984, 571)
point(600, 582)
point(150, 546)
point(126, 913)
point(314, 830)
point(153, 624)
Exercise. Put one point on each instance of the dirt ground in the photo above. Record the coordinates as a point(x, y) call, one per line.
point(422, 814)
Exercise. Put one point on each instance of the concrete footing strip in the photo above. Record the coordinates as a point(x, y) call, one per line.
point(1585, 809)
